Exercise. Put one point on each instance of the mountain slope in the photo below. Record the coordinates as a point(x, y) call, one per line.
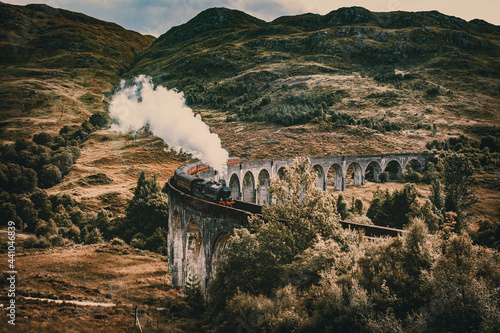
point(57, 61)
point(404, 69)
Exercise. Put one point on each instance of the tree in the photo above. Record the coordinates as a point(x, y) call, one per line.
point(458, 180)
point(464, 289)
point(157, 241)
point(43, 138)
point(194, 295)
point(63, 159)
point(254, 262)
point(394, 210)
point(436, 197)
point(49, 176)
point(42, 203)
point(342, 207)
point(28, 214)
point(93, 237)
point(148, 209)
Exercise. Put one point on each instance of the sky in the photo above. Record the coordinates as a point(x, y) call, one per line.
point(156, 17)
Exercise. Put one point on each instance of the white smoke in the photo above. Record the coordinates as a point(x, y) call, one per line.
point(169, 118)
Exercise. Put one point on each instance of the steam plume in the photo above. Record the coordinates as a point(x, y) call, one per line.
point(169, 118)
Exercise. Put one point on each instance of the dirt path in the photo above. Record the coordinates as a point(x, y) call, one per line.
point(81, 303)
point(18, 235)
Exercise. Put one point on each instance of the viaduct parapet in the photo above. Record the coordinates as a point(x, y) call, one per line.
point(198, 230)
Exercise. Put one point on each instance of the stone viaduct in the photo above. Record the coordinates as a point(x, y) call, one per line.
point(249, 180)
point(198, 230)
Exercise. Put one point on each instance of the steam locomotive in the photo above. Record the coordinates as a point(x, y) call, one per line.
point(212, 191)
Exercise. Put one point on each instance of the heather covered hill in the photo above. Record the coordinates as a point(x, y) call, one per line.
point(388, 72)
point(221, 43)
point(56, 65)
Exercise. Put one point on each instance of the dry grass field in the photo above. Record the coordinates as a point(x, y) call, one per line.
point(108, 274)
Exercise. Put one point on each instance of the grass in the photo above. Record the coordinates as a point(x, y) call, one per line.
point(97, 273)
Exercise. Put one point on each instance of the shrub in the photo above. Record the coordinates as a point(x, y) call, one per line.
point(30, 242)
point(93, 237)
point(98, 120)
point(43, 138)
point(432, 92)
point(412, 177)
point(34, 242)
point(117, 241)
point(73, 233)
point(383, 177)
point(56, 240)
point(138, 241)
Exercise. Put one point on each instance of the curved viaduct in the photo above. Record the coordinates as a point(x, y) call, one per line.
point(198, 230)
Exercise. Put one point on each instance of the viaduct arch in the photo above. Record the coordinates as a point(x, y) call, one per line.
point(198, 230)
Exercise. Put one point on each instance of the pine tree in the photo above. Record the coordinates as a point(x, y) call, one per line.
point(458, 180)
point(194, 295)
point(148, 209)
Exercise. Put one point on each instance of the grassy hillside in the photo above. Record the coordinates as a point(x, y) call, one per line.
point(228, 60)
point(57, 67)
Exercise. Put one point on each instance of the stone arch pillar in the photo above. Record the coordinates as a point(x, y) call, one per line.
point(414, 163)
point(175, 248)
point(234, 186)
point(395, 170)
point(263, 192)
point(358, 175)
point(220, 245)
point(194, 256)
point(321, 183)
point(374, 167)
point(249, 187)
point(281, 173)
point(339, 178)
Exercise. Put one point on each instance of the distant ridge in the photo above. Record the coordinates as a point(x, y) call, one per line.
point(214, 19)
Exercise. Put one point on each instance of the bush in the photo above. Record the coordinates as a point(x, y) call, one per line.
point(57, 240)
point(98, 120)
point(138, 241)
point(93, 237)
point(383, 177)
point(412, 177)
point(34, 242)
point(43, 138)
point(117, 241)
point(432, 92)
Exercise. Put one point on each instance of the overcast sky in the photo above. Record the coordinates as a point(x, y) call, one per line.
point(155, 17)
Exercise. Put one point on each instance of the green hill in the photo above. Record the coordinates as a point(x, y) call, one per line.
point(56, 64)
point(282, 71)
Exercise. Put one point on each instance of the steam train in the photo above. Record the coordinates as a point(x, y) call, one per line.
point(212, 191)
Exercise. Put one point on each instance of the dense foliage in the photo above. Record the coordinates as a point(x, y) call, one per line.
point(146, 217)
point(28, 166)
point(484, 154)
point(297, 271)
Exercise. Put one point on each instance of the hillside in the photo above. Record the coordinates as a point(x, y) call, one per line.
point(57, 67)
point(352, 61)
